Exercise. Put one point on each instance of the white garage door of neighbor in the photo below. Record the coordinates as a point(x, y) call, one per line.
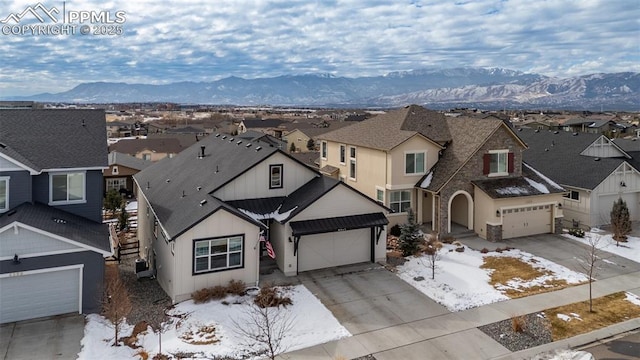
point(605, 204)
point(34, 294)
point(525, 221)
point(334, 249)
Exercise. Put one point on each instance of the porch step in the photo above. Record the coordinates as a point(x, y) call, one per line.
point(464, 234)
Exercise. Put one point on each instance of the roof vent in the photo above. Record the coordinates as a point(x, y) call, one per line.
point(218, 135)
point(59, 221)
point(3, 145)
point(596, 159)
point(201, 155)
point(537, 130)
point(231, 140)
point(259, 148)
point(239, 142)
point(217, 170)
point(575, 134)
point(546, 149)
point(224, 137)
point(202, 202)
point(556, 132)
point(248, 145)
point(148, 186)
point(199, 188)
point(168, 180)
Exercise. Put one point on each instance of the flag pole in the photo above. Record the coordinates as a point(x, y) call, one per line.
point(258, 257)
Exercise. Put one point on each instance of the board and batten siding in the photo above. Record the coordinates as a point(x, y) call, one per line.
point(221, 223)
point(26, 243)
point(254, 183)
point(603, 148)
point(19, 187)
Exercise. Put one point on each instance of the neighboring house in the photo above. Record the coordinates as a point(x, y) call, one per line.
point(300, 137)
point(267, 126)
point(119, 175)
point(151, 149)
point(589, 125)
point(52, 241)
point(202, 213)
point(595, 171)
point(448, 170)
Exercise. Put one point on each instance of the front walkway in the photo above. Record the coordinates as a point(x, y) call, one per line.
point(455, 335)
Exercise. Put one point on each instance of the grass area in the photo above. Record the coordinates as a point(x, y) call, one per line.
point(503, 269)
point(608, 310)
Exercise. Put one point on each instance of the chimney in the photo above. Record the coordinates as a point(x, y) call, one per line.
point(201, 152)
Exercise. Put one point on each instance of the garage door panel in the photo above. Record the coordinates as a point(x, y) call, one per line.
point(525, 221)
point(34, 295)
point(334, 249)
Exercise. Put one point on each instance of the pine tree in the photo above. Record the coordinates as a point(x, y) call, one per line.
point(292, 148)
point(409, 238)
point(620, 220)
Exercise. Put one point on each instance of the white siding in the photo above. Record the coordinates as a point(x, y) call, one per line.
point(350, 203)
point(255, 183)
point(7, 165)
point(603, 148)
point(27, 242)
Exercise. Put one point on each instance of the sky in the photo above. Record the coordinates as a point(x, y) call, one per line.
point(154, 42)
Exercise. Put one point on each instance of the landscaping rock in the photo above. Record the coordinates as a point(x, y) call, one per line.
point(536, 331)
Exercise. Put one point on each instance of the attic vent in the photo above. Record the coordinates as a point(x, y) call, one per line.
point(553, 143)
point(239, 142)
point(556, 132)
point(59, 221)
point(201, 155)
point(224, 137)
point(537, 130)
point(575, 134)
point(202, 202)
point(168, 180)
point(217, 170)
point(217, 135)
point(546, 149)
point(259, 148)
point(231, 140)
point(2, 145)
point(248, 145)
point(519, 129)
point(199, 188)
point(183, 194)
point(596, 159)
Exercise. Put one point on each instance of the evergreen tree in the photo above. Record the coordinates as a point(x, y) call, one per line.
point(113, 201)
point(409, 235)
point(311, 145)
point(123, 218)
point(620, 220)
point(292, 148)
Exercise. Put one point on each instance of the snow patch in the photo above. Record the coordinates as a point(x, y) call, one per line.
point(275, 215)
point(427, 181)
point(633, 298)
point(541, 176)
point(538, 186)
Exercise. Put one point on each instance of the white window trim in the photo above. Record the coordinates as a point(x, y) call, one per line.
point(352, 159)
point(324, 150)
point(280, 184)
point(114, 170)
point(228, 252)
point(343, 147)
point(501, 151)
point(111, 182)
point(68, 202)
point(6, 208)
point(380, 188)
point(568, 196)
point(401, 201)
point(424, 165)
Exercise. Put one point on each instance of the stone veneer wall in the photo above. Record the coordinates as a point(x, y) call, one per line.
point(494, 233)
point(558, 225)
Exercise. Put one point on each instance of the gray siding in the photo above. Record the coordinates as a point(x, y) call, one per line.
point(93, 273)
point(91, 210)
point(19, 187)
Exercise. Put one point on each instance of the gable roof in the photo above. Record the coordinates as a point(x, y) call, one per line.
point(43, 139)
point(167, 145)
point(557, 155)
point(116, 158)
point(94, 236)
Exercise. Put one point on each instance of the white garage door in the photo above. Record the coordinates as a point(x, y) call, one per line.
point(334, 249)
point(525, 221)
point(605, 204)
point(34, 294)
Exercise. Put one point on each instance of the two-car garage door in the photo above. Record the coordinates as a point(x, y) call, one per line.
point(525, 221)
point(334, 249)
point(39, 293)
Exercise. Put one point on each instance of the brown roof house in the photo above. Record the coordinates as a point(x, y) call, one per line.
point(119, 175)
point(452, 172)
point(152, 149)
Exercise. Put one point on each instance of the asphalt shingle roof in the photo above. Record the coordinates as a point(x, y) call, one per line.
point(116, 158)
point(557, 155)
point(529, 184)
point(160, 145)
point(61, 223)
point(54, 138)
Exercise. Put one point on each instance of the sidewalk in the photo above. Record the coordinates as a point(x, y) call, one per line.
point(455, 335)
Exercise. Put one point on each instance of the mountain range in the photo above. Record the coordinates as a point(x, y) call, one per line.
point(484, 88)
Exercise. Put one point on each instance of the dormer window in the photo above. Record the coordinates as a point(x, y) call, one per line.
point(275, 178)
point(498, 163)
point(67, 188)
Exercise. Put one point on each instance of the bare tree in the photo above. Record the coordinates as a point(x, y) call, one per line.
point(589, 262)
point(116, 303)
point(265, 327)
point(431, 248)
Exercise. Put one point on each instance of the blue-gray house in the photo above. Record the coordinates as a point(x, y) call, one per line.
point(52, 240)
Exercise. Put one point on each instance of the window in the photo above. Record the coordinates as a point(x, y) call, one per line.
point(4, 193)
point(573, 195)
point(116, 184)
point(323, 150)
point(275, 178)
point(400, 201)
point(67, 188)
point(498, 163)
point(114, 170)
point(414, 163)
point(380, 196)
point(217, 254)
point(146, 157)
point(352, 163)
point(343, 154)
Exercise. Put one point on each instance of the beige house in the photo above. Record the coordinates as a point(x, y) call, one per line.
point(202, 214)
point(450, 171)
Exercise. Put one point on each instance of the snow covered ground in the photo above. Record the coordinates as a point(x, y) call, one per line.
point(629, 249)
point(461, 284)
point(215, 323)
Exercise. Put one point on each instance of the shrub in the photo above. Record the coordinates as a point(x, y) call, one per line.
point(518, 323)
point(213, 293)
point(143, 355)
point(395, 230)
point(448, 239)
point(409, 235)
point(484, 251)
point(577, 232)
point(270, 296)
point(236, 287)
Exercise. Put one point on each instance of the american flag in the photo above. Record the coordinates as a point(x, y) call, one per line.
point(268, 246)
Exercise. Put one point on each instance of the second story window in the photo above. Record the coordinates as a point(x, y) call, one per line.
point(498, 163)
point(67, 188)
point(352, 163)
point(114, 170)
point(400, 201)
point(414, 163)
point(146, 157)
point(323, 150)
point(4, 194)
point(343, 154)
point(275, 178)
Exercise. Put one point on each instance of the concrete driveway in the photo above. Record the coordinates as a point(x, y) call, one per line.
point(367, 297)
point(568, 253)
point(56, 337)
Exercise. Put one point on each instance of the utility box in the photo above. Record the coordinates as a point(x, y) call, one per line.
point(141, 265)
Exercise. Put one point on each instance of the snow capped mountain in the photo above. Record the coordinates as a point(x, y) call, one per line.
point(436, 88)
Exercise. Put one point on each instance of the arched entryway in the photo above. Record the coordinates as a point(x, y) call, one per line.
point(460, 210)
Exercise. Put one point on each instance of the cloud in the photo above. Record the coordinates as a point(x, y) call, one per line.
point(203, 41)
